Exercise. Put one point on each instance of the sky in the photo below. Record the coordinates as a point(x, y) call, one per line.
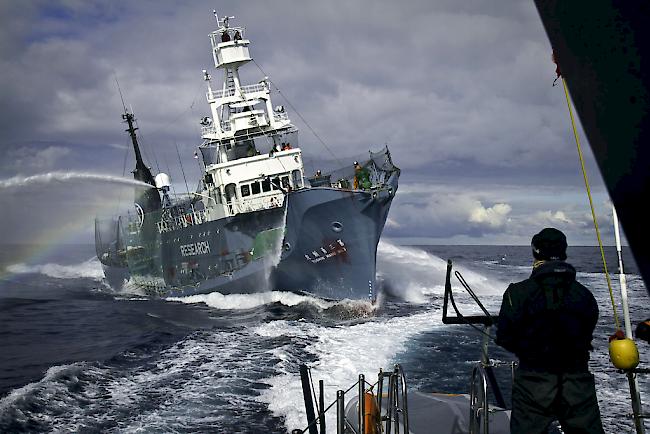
point(461, 92)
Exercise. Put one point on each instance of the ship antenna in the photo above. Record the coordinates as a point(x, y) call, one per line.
point(119, 89)
point(214, 11)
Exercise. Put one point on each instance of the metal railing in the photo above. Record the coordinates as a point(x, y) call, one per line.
point(182, 221)
point(250, 88)
point(280, 116)
point(480, 410)
point(254, 204)
point(390, 416)
point(212, 129)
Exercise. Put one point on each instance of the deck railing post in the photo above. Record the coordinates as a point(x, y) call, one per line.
point(340, 412)
point(390, 403)
point(321, 405)
point(362, 402)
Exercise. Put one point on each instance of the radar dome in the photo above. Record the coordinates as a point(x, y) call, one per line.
point(163, 181)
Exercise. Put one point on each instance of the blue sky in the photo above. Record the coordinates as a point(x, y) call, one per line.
point(460, 91)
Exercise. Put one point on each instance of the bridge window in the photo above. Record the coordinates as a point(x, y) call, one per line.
point(297, 178)
point(266, 185)
point(285, 182)
point(255, 188)
point(230, 192)
point(245, 190)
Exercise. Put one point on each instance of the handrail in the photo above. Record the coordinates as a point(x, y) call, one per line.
point(397, 392)
point(486, 319)
point(258, 87)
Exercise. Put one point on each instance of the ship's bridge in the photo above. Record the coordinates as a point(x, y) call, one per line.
point(229, 48)
point(238, 110)
point(252, 183)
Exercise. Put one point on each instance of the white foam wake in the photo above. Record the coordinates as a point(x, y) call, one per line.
point(51, 376)
point(414, 274)
point(46, 178)
point(90, 269)
point(342, 352)
point(250, 301)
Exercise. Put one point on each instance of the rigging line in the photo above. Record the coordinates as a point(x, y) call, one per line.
point(126, 154)
point(591, 204)
point(313, 389)
point(170, 171)
point(182, 170)
point(299, 115)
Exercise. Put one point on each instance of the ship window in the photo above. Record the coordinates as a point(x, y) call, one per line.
point(297, 178)
point(230, 192)
point(216, 194)
point(266, 185)
point(245, 190)
point(276, 183)
point(285, 181)
point(255, 188)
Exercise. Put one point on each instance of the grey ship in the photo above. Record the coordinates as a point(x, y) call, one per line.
point(255, 221)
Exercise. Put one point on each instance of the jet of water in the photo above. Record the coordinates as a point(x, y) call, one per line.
point(47, 178)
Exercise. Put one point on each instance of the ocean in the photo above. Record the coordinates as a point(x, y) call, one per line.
point(79, 357)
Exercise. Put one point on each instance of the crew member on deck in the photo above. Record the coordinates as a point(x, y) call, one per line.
point(237, 36)
point(357, 169)
point(548, 321)
point(225, 37)
point(318, 174)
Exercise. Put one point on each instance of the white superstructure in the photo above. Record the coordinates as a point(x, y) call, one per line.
point(249, 148)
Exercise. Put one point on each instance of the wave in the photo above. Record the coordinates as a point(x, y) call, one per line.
point(90, 269)
point(204, 382)
point(218, 300)
point(342, 353)
point(45, 385)
point(414, 275)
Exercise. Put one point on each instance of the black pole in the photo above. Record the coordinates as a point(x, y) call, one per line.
point(309, 403)
point(321, 405)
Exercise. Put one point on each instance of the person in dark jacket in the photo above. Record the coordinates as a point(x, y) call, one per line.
point(548, 321)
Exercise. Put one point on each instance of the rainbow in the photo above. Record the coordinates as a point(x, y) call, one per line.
point(48, 240)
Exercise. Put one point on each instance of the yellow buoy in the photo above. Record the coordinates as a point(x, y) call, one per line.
point(623, 353)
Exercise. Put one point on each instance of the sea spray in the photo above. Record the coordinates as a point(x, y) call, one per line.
point(90, 269)
point(413, 275)
point(343, 352)
point(250, 301)
point(50, 177)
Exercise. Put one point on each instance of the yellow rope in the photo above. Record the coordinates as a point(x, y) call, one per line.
point(591, 204)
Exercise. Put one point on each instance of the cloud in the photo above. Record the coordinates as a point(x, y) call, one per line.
point(460, 91)
point(34, 158)
point(494, 217)
point(445, 211)
point(549, 218)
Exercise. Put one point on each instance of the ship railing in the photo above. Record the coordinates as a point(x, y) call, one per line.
point(257, 204)
point(182, 221)
point(250, 88)
point(212, 129)
point(389, 416)
point(280, 116)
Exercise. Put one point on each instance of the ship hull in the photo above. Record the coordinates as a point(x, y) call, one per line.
point(322, 241)
point(330, 246)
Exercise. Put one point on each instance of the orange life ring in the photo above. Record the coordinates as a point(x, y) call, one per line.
point(371, 416)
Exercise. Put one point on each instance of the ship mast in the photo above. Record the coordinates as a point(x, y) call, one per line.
point(239, 112)
point(149, 199)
